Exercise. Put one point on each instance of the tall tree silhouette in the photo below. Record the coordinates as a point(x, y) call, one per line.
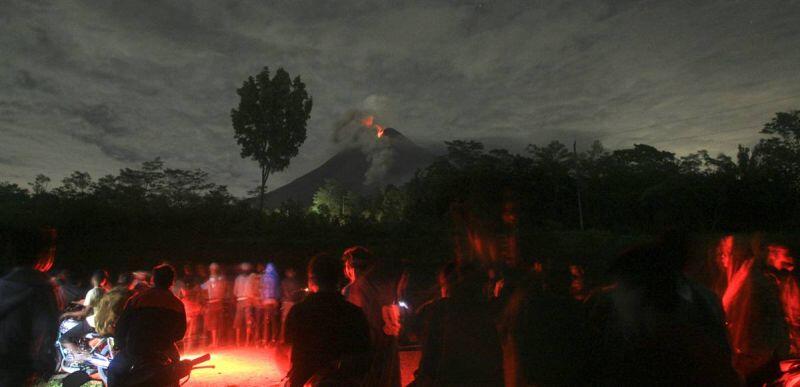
point(270, 121)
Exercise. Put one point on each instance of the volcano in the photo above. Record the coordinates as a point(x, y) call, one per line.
point(389, 158)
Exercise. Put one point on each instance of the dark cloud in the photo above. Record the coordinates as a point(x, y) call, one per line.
point(98, 86)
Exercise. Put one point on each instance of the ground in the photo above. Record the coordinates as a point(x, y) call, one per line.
point(262, 367)
point(256, 367)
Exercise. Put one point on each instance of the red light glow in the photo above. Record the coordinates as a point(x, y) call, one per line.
point(243, 367)
point(369, 122)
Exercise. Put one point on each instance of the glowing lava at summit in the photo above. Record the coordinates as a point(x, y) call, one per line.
point(369, 122)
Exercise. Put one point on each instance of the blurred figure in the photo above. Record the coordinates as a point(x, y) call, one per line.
point(28, 308)
point(110, 306)
point(151, 324)
point(460, 344)
point(329, 336)
point(270, 300)
point(215, 291)
point(257, 308)
point(192, 299)
point(201, 272)
point(243, 317)
point(782, 268)
point(87, 313)
point(578, 288)
point(656, 327)
point(545, 338)
point(68, 290)
point(141, 280)
point(374, 289)
point(751, 300)
point(291, 293)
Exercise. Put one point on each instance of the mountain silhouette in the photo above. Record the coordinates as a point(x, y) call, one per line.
point(363, 168)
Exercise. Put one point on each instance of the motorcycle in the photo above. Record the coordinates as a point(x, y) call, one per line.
point(93, 354)
point(163, 372)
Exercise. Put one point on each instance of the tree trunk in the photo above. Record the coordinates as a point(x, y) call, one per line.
point(262, 188)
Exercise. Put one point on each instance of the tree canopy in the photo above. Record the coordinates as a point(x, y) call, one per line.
point(270, 121)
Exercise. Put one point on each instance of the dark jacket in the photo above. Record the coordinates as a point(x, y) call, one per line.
point(324, 330)
point(638, 342)
point(460, 345)
point(151, 322)
point(28, 327)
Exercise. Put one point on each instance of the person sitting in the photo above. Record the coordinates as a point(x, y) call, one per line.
point(110, 306)
point(330, 337)
point(151, 324)
point(86, 314)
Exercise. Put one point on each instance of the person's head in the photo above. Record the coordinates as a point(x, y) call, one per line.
point(99, 278)
point(187, 270)
point(323, 273)
point(125, 279)
point(245, 268)
point(213, 268)
point(358, 259)
point(290, 272)
point(270, 269)
point(200, 270)
point(779, 258)
point(28, 247)
point(163, 276)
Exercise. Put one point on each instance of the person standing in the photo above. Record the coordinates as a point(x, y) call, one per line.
point(243, 317)
point(374, 289)
point(28, 308)
point(270, 300)
point(214, 291)
point(329, 336)
point(291, 294)
point(454, 326)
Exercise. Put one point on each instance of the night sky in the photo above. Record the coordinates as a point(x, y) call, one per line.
point(101, 85)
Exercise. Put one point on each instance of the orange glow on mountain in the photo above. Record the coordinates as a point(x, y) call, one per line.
point(369, 122)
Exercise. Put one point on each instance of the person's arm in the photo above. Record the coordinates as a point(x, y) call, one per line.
point(77, 314)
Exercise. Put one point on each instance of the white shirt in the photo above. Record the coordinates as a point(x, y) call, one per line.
point(92, 296)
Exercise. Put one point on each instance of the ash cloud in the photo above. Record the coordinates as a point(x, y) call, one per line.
point(350, 132)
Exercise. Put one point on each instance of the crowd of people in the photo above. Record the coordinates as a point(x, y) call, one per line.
point(519, 324)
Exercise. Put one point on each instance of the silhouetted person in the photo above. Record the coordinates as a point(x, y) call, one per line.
point(545, 338)
point(374, 289)
point(460, 343)
point(152, 322)
point(656, 327)
point(28, 308)
point(329, 336)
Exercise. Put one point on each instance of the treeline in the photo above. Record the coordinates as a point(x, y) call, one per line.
point(153, 212)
